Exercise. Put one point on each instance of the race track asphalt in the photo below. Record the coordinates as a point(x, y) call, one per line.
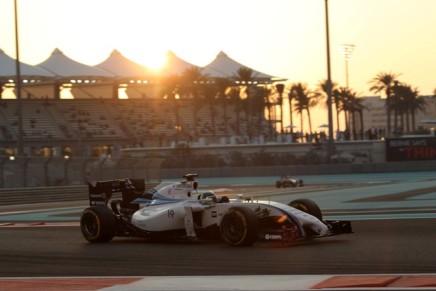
point(376, 247)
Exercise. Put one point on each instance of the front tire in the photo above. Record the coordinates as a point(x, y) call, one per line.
point(278, 184)
point(98, 224)
point(239, 226)
point(308, 206)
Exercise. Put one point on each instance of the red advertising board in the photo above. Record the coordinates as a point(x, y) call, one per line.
point(410, 149)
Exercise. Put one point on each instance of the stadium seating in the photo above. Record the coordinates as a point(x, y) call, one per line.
point(127, 122)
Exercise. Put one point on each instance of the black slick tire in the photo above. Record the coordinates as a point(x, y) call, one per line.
point(239, 227)
point(308, 206)
point(98, 224)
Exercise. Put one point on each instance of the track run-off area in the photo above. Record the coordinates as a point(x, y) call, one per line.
point(393, 217)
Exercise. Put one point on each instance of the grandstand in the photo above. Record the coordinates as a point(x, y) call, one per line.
point(93, 127)
point(69, 108)
point(72, 123)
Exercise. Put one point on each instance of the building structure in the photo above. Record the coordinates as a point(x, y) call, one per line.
point(375, 118)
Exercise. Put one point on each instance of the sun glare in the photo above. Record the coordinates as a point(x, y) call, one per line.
point(150, 58)
point(156, 62)
point(66, 92)
point(122, 94)
point(8, 93)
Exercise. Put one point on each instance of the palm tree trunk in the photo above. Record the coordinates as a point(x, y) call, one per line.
point(413, 119)
point(238, 121)
point(291, 116)
point(310, 121)
point(268, 107)
point(388, 114)
point(281, 113)
point(337, 117)
point(301, 123)
point(353, 124)
point(346, 119)
point(225, 114)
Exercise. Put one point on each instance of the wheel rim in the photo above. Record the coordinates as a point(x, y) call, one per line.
point(234, 228)
point(89, 224)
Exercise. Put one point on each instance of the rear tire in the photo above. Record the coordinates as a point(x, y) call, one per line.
point(239, 227)
point(98, 224)
point(308, 206)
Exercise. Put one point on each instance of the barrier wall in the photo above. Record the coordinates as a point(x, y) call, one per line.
point(48, 172)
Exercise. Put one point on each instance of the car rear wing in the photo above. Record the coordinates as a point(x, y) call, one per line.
point(101, 192)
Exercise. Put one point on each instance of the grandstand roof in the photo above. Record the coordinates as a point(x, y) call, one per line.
point(62, 66)
point(175, 65)
point(122, 67)
point(8, 68)
point(117, 66)
point(225, 67)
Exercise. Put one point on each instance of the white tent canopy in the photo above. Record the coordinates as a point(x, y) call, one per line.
point(117, 66)
point(225, 67)
point(62, 66)
point(122, 67)
point(8, 68)
point(175, 65)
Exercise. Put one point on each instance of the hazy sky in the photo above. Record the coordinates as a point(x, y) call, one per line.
point(285, 38)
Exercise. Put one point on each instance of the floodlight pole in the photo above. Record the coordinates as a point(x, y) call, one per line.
point(347, 51)
point(329, 88)
point(18, 86)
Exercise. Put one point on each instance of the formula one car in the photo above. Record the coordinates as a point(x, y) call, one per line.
point(288, 181)
point(180, 211)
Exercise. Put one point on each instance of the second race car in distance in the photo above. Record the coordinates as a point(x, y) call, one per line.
point(288, 181)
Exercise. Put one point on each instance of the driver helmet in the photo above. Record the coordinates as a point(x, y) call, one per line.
point(206, 194)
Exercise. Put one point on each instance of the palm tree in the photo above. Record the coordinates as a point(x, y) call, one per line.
point(407, 103)
point(291, 121)
point(350, 104)
point(170, 92)
point(267, 101)
point(210, 92)
point(223, 85)
point(385, 82)
point(418, 104)
point(398, 104)
point(245, 78)
point(190, 88)
point(280, 89)
point(234, 94)
point(341, 96)
point(260, 95)
point(321, 93)
point(305, 100)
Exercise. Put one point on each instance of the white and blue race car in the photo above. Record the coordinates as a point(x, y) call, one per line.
point(181, 211)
